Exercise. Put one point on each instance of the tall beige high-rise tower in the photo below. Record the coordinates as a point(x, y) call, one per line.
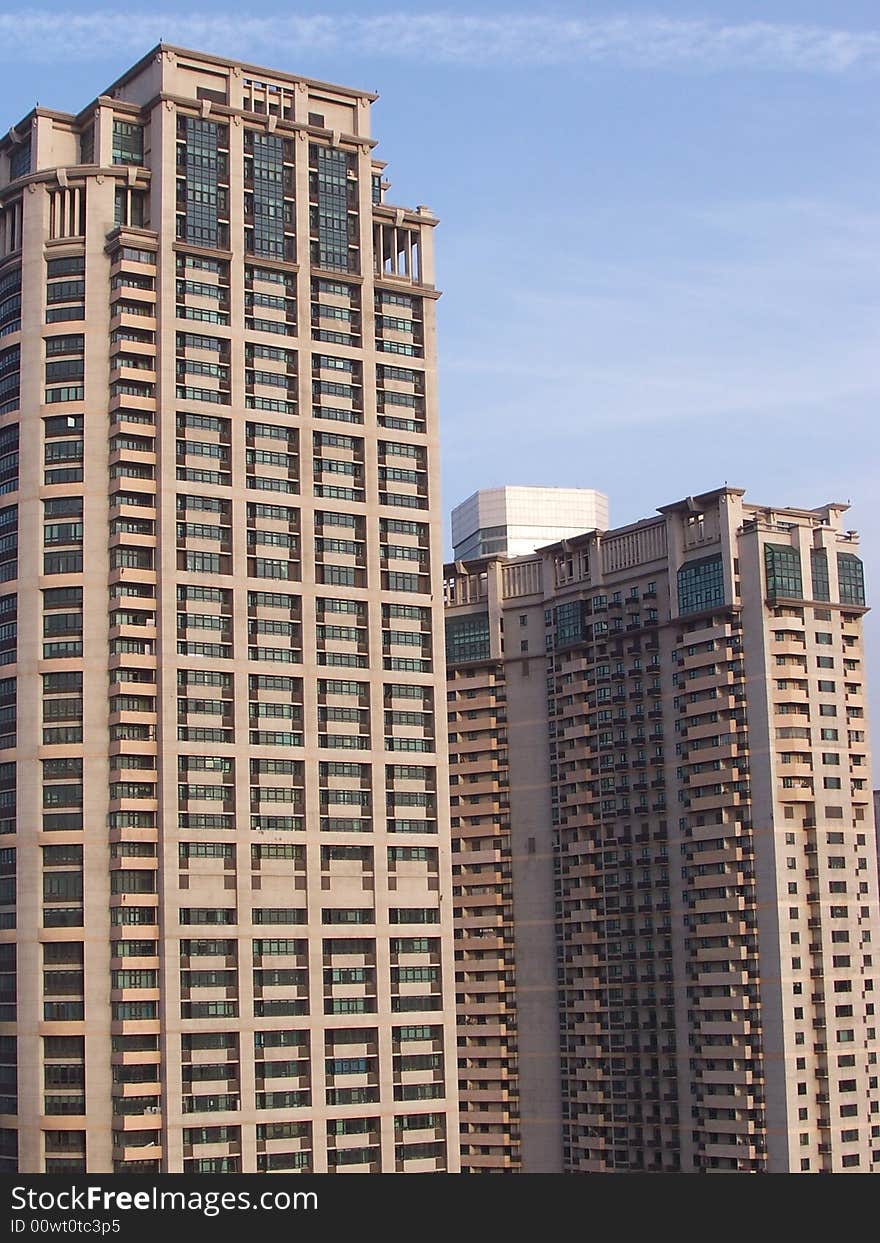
point(663, 825)
point(226, 918)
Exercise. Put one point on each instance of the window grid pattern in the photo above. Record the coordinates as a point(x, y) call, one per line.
point(701, 585)
point(467, 638)
point(265, 162)
point(200, 164)
point(128, 143)
point(570, 626)
point(819, 572)
point(332, 194)
point(851, 578)
point(782, 564)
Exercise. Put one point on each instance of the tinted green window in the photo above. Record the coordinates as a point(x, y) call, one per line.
point(330, 198)
point(128, 143)
point(467, 638)
point(819, 571)
point(851, 578)
point(783, 566)
point(200, 165)
point(569, 620)
point(701, 585)
point(264, 171)
point(20, 161)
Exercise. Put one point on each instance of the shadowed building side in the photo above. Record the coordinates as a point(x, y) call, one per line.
point(706, 767)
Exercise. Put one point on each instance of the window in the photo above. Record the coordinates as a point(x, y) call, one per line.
point(782, 564)
point(202, 165)
point(20, 161)
point(128, 143)
point(851, 578)
point(701, 585)
point(71, 343)
point(10, 362)
point(467, 638)
point(819, 570)
point(128, 208)
point(330, 190)
point(570, 624)
point(266, 181)
point(71, 265)
point(196, 915)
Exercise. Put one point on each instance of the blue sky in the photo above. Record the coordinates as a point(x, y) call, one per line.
point(660, 231)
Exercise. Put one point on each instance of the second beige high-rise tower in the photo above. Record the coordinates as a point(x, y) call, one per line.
point(662, 787)
point(223, 789)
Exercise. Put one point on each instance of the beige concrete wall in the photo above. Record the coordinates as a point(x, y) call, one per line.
point(162, 86)
point(717, 980)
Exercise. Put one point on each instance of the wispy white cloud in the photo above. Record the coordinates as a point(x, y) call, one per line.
point(774, 316)
point(635, 41)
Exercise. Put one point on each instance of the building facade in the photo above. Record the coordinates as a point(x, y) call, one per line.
point(510, 522)
point(689, 696)
point(503, 878)
point(226, 920)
